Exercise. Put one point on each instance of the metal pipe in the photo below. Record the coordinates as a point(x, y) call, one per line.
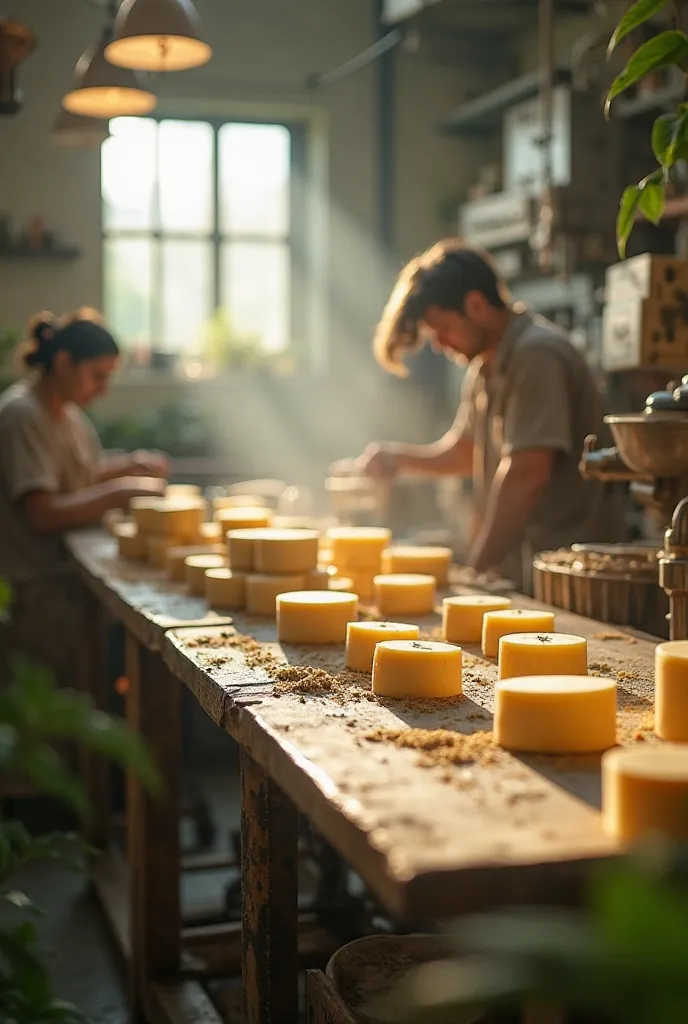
point(386, 129)
point(546, 40)
point(673, 571)
point(362, 60)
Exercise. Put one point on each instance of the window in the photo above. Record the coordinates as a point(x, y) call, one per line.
point(200, 224)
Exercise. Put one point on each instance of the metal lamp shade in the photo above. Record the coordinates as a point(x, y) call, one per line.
point(79, 132)
point(158, 35)
point(101, 90)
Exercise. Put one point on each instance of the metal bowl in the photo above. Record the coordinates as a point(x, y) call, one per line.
point(652, 445)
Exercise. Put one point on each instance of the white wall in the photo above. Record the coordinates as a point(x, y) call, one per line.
point(264, 49)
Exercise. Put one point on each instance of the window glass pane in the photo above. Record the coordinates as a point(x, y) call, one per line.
point(187, 294)
point(128, 168)
point(255, 292)
point(254, 173)
point(186, 175)
point(127, 271)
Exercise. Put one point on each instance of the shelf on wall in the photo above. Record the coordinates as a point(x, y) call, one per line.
point(58, 255)
point(483, 114)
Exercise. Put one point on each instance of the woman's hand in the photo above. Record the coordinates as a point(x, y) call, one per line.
point(379, 461)
point(150, 464)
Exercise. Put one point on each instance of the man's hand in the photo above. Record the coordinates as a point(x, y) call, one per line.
point(379, 461)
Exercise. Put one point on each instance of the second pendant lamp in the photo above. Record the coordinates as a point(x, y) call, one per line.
point(99, 89)
point(158, 35)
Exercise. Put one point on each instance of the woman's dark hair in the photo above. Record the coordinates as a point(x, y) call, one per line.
point(81, 333)
point(443, 276)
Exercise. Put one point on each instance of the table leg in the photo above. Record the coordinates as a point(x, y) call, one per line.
point(153, 710)
point(270, 899)
point(95, 770)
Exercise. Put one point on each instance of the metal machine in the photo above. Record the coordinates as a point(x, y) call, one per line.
point(651, 452)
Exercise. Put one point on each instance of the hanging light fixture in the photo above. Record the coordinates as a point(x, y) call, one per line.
point(158, 35)
point(84, 132)
point(101, 90)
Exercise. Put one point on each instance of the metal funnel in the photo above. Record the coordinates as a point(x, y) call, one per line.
point(652, 445)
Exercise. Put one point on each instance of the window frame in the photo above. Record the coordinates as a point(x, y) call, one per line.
point(295, 238)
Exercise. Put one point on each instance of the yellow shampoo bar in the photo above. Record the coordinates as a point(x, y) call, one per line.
point(241, 548)
point(462, 617)
point(243, 518)
point(130, 543)
point(175, 558)
point(180, 521)
point(287, 551)
point(182, 491)
point(156, 549)
point(262, 592)
point(315, 617)
point(417, 668)
point(542, 654)
point(225, 589)
point(555, 714)
point(513, 620)
point(671, 691)
point(362, 638)
point(645, 792)
point(144, 512)
point(405, 594)
point(358, 547)
point(196, 568)
point(428, 561)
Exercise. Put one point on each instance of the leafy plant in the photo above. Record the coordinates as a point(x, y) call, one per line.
point(621, 959)
point(183, 430)
point(666, 49)
point(35, 718)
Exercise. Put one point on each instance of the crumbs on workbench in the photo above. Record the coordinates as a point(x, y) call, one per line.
point(431, 634)
point(439, 746)
point(305, 679)
point(608, 634)
point(256, 654)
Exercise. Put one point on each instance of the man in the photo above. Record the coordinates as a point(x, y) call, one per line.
point(528, 400)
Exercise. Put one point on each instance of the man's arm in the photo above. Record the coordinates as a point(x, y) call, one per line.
point(452, 455)
point(139, 463)
point(56, 513)
point(514, 494)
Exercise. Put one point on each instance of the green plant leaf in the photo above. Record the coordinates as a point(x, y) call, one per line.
point(662, 51)
point(628, 207)
point(663, 132)
point(651, 202)
point(636, 15)
point(20, 900)
point(679, 142)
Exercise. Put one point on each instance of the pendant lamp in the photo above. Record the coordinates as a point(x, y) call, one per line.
point(80, 132)
point(101, 90)
point(158, 35)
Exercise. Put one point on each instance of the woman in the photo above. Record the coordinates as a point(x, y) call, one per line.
point(54, 477)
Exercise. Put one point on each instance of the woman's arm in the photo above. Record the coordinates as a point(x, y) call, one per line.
point(56, 513)
point(138, 463)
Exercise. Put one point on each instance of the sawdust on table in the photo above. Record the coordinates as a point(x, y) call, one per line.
point(439, 746)
point(610, 634)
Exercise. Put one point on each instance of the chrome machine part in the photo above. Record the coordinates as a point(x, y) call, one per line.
point(673, 571)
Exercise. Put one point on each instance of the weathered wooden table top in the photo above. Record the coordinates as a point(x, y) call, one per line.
point(137, 594)
point(435, 822)
point(432, 837)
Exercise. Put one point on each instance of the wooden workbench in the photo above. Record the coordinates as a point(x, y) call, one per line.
point(430, 839)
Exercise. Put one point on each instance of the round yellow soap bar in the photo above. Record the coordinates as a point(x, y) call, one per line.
point(225, 588)
point(542, 654)
point(210, 533)
point(243, 518)
point(514, 620)
point(262, 592)
point(343, 585)
point(156, 549)
point(319, 578)
point(405, 594)
point(645, 791)
point(462, 617)
point(182, 491)
point(175, 558)
point(315, 616)
point(196, 568)
point(239, 501)
point(362, 638)
point(144, 512)
point(427, 561)
point(241, 548)
point(362, 581)
point(287, 551)
point(555, 714)
point(671, 691)
point(417, 668)
point(130, 543)
point(358, 547)
point(180, 520)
